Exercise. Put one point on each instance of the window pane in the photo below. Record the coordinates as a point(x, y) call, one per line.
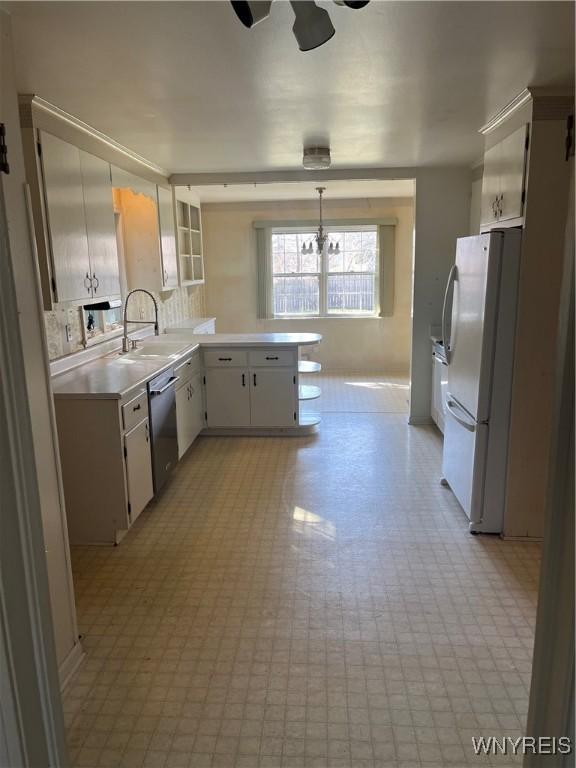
point(350, 294)
point(357, 252)
point(277, 253)
point(310, 262)
point(287, 256)
point(297, 295)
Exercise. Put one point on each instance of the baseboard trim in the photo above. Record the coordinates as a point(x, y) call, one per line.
point(420, 421)
point(70, 665)
point(297, 431)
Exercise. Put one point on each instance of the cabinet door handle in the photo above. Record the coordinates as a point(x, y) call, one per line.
point(495, 207)
point(165, 276)
point(272, 358)
point(225, 359)
point(88, 283)
point(243, 379)
point(96, 280)
point(500, 201)
point(137, 407)
point(254, 379)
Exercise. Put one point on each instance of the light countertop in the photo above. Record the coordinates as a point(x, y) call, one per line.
point(114, 375)
point(249, 339)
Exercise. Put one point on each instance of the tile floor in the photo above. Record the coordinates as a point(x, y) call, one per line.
point(304, 603)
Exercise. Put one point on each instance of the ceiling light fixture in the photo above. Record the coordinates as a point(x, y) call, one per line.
point(316, 158)
point(312, 25)
point(250, 13)
point(320, 237)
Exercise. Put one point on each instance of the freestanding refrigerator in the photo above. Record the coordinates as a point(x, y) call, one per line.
point(479, 341)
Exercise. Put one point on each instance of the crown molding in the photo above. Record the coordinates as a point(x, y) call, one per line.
point(547, 104)
point(271, 177)
point(36, 103)
point(506, 112)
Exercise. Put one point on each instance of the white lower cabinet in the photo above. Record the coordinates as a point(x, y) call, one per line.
point(227, 397)
point(138, 468)
point(189, 413)
point(251, 387)
point(272, 397)
point(105, 455)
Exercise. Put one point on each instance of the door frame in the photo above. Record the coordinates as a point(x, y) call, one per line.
point(31, 715)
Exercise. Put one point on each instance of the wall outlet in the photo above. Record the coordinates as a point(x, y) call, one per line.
point(69, 333)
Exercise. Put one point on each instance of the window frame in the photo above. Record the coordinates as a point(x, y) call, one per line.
point(324, 274)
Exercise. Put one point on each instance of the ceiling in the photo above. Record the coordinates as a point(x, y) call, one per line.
point(305, 190)
point(187, 86)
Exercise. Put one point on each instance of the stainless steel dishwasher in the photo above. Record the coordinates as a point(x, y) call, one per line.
point(162, 402)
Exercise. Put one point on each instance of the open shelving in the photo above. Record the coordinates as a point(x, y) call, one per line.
point(308, 392)
point(190, 253)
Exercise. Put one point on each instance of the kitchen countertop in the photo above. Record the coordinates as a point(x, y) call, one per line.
point(113, 376)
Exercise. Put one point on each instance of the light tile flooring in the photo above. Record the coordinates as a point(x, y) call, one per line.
point(304, 602)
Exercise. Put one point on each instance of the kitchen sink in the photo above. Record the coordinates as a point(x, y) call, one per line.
point(162, 349)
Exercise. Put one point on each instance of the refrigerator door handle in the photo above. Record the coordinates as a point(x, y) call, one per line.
point(452, 277)
point(452, 405)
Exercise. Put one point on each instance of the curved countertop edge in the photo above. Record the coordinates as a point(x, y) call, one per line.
point(114, 376)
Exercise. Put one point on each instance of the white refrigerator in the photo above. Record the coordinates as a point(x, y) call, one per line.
point(479, 336)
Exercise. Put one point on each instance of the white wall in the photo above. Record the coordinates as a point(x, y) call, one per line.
point(442, 215)
point(367, 344)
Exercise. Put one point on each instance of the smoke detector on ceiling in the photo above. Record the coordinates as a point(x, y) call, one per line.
point(316, 158)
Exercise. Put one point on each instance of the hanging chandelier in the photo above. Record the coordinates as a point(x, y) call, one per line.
point(320, 237)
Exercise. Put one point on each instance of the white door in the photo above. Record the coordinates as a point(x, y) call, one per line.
point(473, 327)
point(66, 218)
point(272, 397)
point(227, 397)
point(189, 413)
point(138, 468)
point(167, 239)
point(512, 166)
point(464, 458)
point(100, 225)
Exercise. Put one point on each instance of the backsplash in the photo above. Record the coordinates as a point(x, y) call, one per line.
point(173, 307)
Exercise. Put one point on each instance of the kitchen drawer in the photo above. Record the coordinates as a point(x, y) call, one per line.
point(135, 410)
point(188, 368)
point(273, 357)
point(225, 358)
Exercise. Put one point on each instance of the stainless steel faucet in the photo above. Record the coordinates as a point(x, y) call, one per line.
point(125, 340)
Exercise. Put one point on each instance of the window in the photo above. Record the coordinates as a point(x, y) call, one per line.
point(331, 284)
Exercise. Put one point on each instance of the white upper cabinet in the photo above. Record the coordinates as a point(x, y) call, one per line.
point(167, 238)
point(100, 228)
point(504, 178)
point(491, 185)
point(80, 219)
point(512, 176)
point(66, 219)
point(189, 238)
point(147, 224)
